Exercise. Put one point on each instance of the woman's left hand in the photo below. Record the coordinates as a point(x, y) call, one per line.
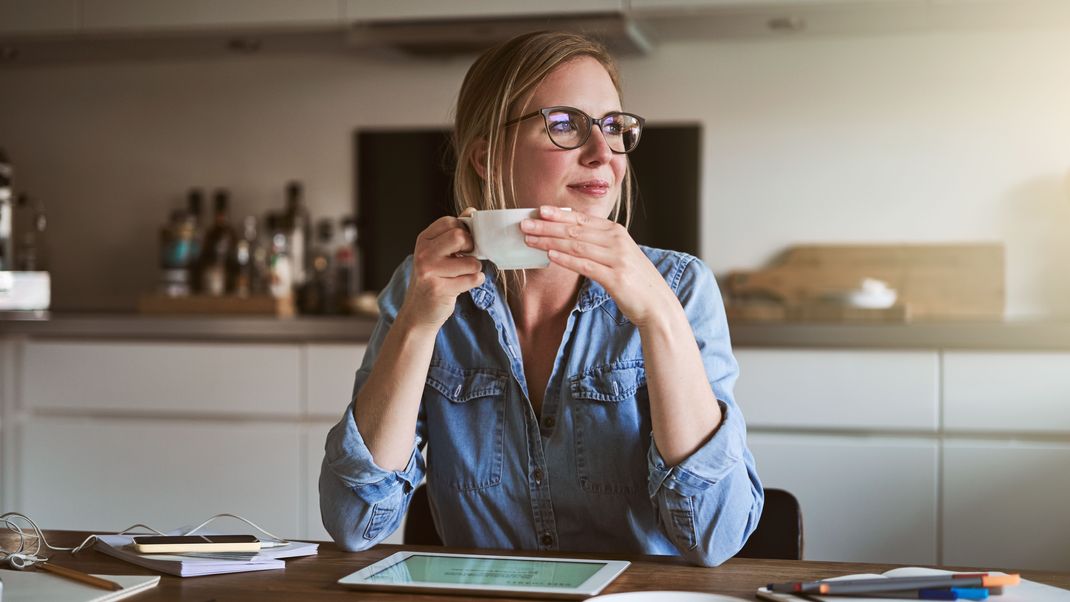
point(603, 251)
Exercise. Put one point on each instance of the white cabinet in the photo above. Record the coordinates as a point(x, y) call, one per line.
point(388, 10)
point(642, 6)
point(127, 15)
point(162, 377)
point(839, 389)
point(1006, 504)
point(1000, 391)
point(863, 499)
point(331, 370)
point(38, 16)
point(87, 473)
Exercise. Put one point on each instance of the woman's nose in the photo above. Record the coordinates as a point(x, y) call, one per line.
point(596, 150)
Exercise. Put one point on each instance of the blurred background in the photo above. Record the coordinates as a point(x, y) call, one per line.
point(202, 199)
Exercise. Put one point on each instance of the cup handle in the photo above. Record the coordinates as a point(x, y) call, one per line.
point(476, 252)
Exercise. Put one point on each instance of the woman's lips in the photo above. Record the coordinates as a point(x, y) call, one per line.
point(595, 188)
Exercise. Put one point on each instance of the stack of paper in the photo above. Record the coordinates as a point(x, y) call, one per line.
point(27, 586)
point(121, 547)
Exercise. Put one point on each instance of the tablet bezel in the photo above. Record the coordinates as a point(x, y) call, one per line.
point(591, 587)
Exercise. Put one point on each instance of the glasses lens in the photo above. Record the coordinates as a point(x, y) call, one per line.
point(567, 128)
point(622, 131)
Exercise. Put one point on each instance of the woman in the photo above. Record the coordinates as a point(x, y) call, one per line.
point(586, 406)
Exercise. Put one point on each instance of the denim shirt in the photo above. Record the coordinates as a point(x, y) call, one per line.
point(584, 475)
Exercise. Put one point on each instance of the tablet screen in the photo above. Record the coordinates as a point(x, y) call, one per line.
point(456, 570)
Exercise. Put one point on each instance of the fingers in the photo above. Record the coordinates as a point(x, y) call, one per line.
point(557, 214)
point(455, 238)
point(438, 227)
point(579, 248)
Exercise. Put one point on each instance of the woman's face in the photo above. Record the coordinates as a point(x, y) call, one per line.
point(587, 178)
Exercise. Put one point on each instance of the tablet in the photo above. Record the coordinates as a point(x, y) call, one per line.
point(479, 575)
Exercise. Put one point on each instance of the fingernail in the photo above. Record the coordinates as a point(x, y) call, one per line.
point(526, 224)
point(531, 239)
point(546, 210)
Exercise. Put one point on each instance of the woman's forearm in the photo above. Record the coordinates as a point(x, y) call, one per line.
point(388, 404)
point(684, 412)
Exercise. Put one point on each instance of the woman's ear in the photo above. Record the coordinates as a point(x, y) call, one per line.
point(477, 157)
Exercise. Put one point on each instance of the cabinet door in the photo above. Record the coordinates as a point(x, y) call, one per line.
point(331, 370)
point(316, 434)
point(38, 16)
point(863, 499)
point(133, 15)
point(96, 474)
point(1008, 392)
point(371, 10)
point(839, 389)
point(1005, 505)
point(166, 378)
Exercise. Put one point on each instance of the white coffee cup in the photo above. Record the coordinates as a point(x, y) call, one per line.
point(498, 238)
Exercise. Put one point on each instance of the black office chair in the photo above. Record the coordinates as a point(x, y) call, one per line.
point(779, 533)
point(780, 529)
point(419, 526)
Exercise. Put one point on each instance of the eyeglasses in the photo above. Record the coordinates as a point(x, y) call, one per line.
point(570, 128)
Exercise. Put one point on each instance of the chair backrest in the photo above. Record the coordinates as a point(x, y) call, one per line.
point(780, 529)
point(779, 533)
point(419, 526)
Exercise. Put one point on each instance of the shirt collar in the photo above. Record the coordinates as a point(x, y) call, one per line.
point(591, 294)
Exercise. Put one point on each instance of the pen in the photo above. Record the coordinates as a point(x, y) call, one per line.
point(890, 584)
point(85, 578)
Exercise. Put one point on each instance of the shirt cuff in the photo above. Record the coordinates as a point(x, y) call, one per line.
point(351, 461)
point(710, 463)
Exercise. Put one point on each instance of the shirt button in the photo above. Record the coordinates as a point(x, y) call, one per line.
point(549, 422)
point(538, 476)
point(547, 539)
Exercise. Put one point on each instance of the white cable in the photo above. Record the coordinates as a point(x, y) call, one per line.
point(21, 557)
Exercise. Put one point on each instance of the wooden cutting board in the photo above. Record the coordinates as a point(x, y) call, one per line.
point(947, 281)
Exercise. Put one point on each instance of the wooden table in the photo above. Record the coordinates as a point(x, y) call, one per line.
point(315, 577)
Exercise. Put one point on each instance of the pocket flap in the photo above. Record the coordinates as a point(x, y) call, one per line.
point(611, 382)
point(460, 386)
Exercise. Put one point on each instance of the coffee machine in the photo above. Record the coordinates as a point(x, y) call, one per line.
point(19, 290)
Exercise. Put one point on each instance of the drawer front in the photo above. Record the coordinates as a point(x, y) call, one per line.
point(863, 499)
point(839, 389)
point(1005, 504)
point(172, 377)
point(99, 475)
point(1004, 391)
point(331, 370)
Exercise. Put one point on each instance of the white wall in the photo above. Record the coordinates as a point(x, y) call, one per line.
point(956, 136)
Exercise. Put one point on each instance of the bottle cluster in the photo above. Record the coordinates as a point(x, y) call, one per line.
point(282, 255)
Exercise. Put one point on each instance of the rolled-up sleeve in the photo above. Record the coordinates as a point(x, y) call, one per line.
point(360, 502)
point(710, 503)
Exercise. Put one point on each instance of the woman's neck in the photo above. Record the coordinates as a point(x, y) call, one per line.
point(548, 293)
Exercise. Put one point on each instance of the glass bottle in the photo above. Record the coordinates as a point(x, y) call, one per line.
point(219, 244)
point(347, 266)
point(280, 280)
point(298, 230)
point(195, 213)
point(243, 265)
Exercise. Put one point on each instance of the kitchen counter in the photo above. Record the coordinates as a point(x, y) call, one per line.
point(1033, 335)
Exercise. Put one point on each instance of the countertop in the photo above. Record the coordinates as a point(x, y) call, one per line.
point(1038, 335)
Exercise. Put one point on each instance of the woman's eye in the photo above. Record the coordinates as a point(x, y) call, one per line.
point(563, 127)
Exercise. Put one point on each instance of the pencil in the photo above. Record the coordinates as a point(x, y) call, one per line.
point(86, 578)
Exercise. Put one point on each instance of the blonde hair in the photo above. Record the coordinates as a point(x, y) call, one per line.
point(493, 86)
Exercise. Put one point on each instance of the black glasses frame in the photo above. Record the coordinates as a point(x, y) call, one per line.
point(591, 122)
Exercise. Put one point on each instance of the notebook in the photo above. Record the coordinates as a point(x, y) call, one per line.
point(1026, 591)
point(121, 547)
point(27, 586)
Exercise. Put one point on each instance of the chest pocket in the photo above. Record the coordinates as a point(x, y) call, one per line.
point(612, 427)
point(466, 419)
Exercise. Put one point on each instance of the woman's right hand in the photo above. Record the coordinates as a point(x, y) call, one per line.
point(439, 275)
